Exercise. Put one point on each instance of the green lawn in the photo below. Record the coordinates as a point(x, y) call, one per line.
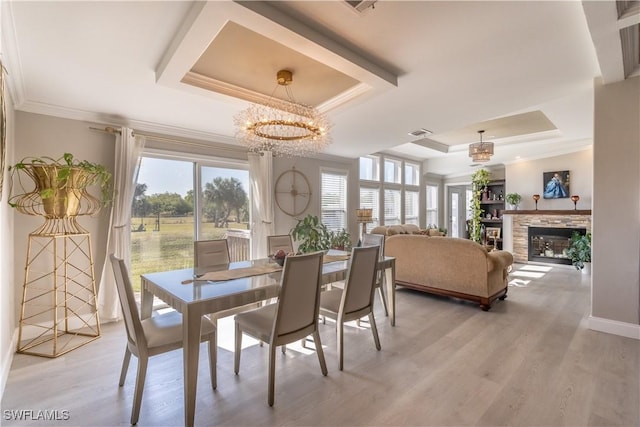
point(168, 249)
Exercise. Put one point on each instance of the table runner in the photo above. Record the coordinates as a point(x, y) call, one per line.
point(333, 258)
point(236, 273)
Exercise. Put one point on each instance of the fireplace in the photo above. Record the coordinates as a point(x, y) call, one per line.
point(550, 244)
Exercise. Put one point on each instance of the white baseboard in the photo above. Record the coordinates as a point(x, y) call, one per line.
point(7, 360)
point(614, 327)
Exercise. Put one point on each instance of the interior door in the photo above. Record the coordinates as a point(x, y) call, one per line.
point(456, 195)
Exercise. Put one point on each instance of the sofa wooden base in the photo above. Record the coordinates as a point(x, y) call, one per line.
point(484, 302)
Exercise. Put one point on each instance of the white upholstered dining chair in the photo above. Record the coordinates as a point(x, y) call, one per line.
point(210, 253)
point(281, 241)
point(356, 299)
point(292, 318)
point(152, 336)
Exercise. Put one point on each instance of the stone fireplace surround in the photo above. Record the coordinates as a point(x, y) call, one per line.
point(524, 219)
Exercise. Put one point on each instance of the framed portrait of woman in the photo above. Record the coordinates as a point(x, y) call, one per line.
point(555, 185)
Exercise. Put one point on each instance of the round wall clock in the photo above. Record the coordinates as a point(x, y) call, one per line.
point(292, 192)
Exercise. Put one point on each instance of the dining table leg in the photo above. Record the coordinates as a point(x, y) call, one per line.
point(146, 300)
point(191, 324)
point(390, 281)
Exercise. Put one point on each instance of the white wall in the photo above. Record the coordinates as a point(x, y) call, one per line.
point(616, 210)
point(8, 289)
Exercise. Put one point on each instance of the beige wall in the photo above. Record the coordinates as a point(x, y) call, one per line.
point(312, 168)
point(616, 208)
point(525, 178)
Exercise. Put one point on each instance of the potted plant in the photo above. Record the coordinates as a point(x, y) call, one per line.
point(341, 240)
point(479, 180)
point(311, 234)
point(60, 186)
point(513, 199)
point(580, 251)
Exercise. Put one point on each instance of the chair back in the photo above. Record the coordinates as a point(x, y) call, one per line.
point(132, 323)
point(210, 253)
point(374, 240)
point(281, 241)
point(359, 287)
point(299, 300)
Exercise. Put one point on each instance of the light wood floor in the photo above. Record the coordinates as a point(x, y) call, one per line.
point(530, 361)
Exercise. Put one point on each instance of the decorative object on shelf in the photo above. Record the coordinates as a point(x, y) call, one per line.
point(479, 180)
point(312, 235)
point(536, 197)
point(481, 151)
point(514, 200)
point(493, 232)
point(364, 216)
point(580, 250)
point(59, 289)
point(556, 185)
point(282, 125)
point(292, 192)
point(575, 199)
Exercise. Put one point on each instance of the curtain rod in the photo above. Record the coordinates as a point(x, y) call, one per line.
point(112, 130)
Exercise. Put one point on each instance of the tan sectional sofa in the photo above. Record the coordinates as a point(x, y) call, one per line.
point(453, 267)
point(392, 230)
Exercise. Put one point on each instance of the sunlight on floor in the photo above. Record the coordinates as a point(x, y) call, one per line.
point(527, 271)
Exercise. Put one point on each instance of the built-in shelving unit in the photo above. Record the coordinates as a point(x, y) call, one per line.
point(492, 205)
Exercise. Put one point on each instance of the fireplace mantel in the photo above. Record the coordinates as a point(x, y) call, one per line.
point(548, 212)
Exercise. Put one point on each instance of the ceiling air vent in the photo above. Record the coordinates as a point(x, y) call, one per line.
point(360, 6)
point(420, 132)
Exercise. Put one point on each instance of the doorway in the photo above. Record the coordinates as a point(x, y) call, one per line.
point(459, 211)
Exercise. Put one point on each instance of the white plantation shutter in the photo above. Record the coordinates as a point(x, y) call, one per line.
point(392, 207)
point(432, 205)
point(411, 207)
point(370, 199)
point(333, 202)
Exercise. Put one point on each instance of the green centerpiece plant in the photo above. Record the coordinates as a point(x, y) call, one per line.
point(311, 235)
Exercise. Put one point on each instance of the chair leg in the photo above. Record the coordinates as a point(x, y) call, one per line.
point(238, 349)
point(272, 374)
point(374, 330)
point(340, 342)
point(213, 359)
point(137, 394)
point(383, 297)
point(284, 349)
point(320, 352)
point(125, 366)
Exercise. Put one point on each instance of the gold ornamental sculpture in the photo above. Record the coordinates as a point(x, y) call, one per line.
point(59, 309)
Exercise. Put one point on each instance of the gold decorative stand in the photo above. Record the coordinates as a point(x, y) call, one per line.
point(59, 310)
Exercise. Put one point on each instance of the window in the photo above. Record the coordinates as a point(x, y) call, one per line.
point(432, 205)
point(168, 215)
point(400, 190)
point(411, 174)
point(392, 171)
point(411, 206)
point(370, 199)
point(333, 203)
point(392, 207)
point(370, 168)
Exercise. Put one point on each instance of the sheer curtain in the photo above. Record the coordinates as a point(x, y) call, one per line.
point(261, 178)
point(128, 151)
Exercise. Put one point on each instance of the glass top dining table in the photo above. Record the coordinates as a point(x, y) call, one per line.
point(187, 292)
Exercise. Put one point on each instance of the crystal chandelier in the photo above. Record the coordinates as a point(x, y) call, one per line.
point(286, 128)
point(481, 151)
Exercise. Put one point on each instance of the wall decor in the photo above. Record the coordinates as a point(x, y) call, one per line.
point(556, 185)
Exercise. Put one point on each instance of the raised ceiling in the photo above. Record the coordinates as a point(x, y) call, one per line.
point(186, 68)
